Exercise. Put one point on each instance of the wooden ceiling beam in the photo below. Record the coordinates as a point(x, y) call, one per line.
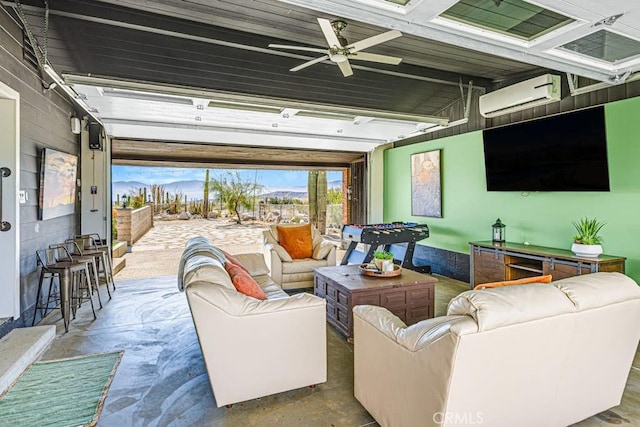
point(162, 153)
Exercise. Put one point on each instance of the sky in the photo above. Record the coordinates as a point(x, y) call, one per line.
point(273, 180)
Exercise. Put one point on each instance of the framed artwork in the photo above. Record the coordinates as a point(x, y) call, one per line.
point(57, 183)
point(426, 196)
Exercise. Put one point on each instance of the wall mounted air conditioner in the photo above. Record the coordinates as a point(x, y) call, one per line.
point(520, 96)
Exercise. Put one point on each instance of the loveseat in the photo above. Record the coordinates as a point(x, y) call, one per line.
point(251, 348)
point(293, 272)
point(529, 355)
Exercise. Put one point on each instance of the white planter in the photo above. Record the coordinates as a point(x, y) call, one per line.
point(589, 251)
point(384, 264)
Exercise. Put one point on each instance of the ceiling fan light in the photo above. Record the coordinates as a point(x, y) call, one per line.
point(338, 57)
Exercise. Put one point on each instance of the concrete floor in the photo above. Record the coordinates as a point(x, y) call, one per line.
point(162, 381)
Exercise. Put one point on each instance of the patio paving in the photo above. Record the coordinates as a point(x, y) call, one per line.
point(157, 253)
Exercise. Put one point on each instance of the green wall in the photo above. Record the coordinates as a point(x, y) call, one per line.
point(541, 218)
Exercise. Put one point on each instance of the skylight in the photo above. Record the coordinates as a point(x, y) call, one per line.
point(604, 45)
point(515, 18)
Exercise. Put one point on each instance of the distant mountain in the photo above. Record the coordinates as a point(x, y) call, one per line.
point(193, 189)
point(126, 187)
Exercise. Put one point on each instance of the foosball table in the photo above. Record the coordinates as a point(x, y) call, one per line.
point(385, 235)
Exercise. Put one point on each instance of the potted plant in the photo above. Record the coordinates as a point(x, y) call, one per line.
point(383, 260)
point(587, 241)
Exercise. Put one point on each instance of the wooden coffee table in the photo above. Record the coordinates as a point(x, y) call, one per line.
point(409, 296)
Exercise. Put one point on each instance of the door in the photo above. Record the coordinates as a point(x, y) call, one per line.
point(10, 181)
point(358, 193)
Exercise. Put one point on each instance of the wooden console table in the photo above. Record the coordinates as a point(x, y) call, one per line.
point(409, 296)
point(495, 262)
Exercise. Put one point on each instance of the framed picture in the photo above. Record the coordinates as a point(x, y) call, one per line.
point(57, 183)
point(426, 196)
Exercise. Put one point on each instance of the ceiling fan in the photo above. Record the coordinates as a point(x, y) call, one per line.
point(340, 51)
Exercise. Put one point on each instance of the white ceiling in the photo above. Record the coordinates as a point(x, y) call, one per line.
point(151, 113)
point(179, 114)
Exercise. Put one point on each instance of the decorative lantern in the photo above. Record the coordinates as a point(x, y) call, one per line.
point(498, 231)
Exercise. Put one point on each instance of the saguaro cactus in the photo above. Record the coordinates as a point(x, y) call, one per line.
point(317, 189)
point(312, 191)
point(205, 203)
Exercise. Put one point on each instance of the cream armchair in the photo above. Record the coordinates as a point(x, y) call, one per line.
point(292, 273)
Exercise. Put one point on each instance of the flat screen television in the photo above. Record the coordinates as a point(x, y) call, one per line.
point(566, 152)
point(58, 173)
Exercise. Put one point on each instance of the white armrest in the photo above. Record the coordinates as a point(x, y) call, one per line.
point(415, 337)
point(324, 250)
point(272, 245)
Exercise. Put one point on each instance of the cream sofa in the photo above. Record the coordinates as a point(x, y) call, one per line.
point(531, 355)
point(251, 348)
point(295, 273)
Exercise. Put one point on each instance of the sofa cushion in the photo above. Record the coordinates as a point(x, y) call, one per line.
point(270, 288)
point(253, 263)
point(243, 282)
point(510, 305)
point(537, 279)
point(296, 241)
point(595, 290)
point(233, 260)
point(204, 268)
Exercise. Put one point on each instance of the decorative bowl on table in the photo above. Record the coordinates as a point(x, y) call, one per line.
point(373, 271)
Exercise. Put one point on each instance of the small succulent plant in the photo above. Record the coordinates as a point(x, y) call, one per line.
point(383, 255)
point(587, 231)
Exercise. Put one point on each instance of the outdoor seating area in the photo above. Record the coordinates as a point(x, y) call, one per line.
point(229, 391)
point(293, 213)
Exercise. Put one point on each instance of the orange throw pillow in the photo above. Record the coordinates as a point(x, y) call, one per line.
point(523, 281)
point(296, 241)
point(243, 282)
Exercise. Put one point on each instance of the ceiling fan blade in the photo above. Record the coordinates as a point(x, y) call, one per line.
point(345, 67)
point(328, 32)
point(306, 49)
point(309, 63)
point(372, 41)
point(373, 57)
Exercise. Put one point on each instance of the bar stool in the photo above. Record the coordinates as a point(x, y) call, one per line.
point(78, 278)
point(93, 242)
point(90, 258)
point(44, 259)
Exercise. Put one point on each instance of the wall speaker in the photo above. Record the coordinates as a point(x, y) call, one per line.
point(75, 125)
point(95, 143)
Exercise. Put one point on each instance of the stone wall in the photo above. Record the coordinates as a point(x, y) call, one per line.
point(132, 224)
